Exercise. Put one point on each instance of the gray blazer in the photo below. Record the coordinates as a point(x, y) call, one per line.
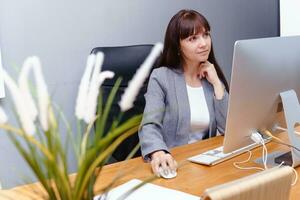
point(166, 119)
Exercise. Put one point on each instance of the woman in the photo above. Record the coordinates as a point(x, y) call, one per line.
point(187, 98)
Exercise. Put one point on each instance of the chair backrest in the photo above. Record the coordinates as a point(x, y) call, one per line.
point(271, 184)
point(124, 61)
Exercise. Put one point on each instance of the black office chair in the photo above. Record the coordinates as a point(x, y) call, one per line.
point(124, 61)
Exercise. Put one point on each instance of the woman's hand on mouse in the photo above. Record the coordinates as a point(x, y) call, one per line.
point(163, 160)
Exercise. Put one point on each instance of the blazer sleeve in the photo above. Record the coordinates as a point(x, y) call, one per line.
point(150, 131)
point(221, 107)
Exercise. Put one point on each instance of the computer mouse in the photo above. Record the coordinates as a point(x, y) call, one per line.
point(168, 175)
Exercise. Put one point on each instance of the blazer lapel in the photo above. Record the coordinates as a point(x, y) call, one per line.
point(209, 95)
point(183, 105)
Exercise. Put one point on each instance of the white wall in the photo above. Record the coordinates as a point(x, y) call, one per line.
point(2, 91)
point(289, 17)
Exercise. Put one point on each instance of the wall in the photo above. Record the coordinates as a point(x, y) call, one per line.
point(289, 17)
point(62, 33)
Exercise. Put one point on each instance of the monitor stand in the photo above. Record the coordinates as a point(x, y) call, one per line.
point(285, 159)
point(291, 109)
point(275, 158)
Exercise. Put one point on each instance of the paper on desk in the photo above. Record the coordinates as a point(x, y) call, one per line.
point(148, 191)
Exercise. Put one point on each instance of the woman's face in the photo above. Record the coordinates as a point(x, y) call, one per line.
point(196, 48)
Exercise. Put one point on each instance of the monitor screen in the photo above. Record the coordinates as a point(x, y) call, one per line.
point(261, 70)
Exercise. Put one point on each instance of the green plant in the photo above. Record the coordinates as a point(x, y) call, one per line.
point(39, 142)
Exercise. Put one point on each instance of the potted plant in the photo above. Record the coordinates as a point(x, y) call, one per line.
point(39, 141)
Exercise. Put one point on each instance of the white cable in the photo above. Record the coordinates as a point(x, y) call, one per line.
point(298, 133)
point(284, 129)
point(280, 164)
point(265, 152)
point(296, 177)
point(236, 164)
point(295, 172)
point(256, 137)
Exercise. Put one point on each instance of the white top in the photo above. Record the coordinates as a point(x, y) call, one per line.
point(199, 113)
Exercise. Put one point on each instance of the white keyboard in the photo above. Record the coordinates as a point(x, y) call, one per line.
point(215, 156)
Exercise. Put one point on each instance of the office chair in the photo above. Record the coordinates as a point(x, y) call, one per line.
point(124, 61)
point(271, 184)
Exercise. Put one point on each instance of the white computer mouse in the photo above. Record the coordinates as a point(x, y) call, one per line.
point(166, 176)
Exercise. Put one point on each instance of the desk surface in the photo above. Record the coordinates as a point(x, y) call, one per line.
point(192, 178)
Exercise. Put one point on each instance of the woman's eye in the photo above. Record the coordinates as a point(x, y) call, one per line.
point(192, 38)
point(206, 34)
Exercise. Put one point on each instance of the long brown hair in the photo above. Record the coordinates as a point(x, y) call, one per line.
point(182, 25)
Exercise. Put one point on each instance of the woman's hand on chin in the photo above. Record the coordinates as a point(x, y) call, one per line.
point(208, 71)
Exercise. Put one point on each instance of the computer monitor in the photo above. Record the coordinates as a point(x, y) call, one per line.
point(261, 70)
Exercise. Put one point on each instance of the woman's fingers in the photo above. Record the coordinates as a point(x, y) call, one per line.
point(203, 71)
point(171, 163)
point(207, 70)
point(164, 166)
point(155, 163)
point(164, 161)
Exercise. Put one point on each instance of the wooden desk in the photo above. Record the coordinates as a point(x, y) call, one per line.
point(192, 178)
